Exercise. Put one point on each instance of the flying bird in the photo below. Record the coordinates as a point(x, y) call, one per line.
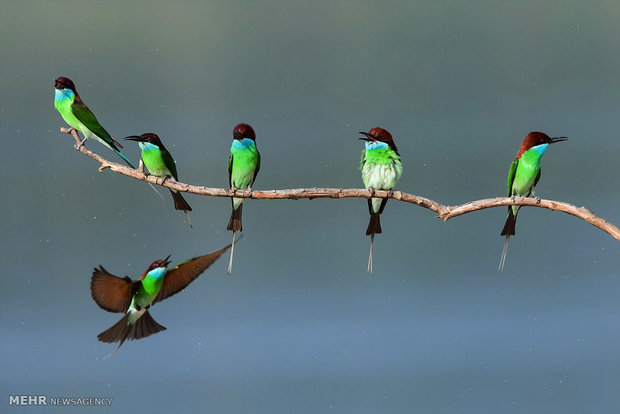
point(135, 297)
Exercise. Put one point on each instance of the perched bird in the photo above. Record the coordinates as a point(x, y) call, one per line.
point(522, 178)
point(160, 163)
point(78, 116)
point(381, 169)
point(134, 297)
point(243, 166)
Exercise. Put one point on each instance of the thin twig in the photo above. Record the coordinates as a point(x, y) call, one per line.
point(444, 212)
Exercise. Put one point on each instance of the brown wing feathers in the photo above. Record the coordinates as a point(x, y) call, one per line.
point(110, 292)
point(180, 276)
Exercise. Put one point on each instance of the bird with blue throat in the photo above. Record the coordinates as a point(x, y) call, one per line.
point(243, 166)
point(75, 113)
point(159, 162)
point(381, 168)
point(523, 176)
point(135, 297)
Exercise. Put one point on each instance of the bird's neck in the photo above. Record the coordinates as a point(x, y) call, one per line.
point(64, 94)
point(535, 153)
point(156, 273)
point(147, 146)
point(240, 144)
point(376, 145)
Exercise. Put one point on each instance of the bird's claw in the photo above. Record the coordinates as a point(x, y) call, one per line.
point(537, 200)
point(390, 193)
point(81, 142)
point(142, 168)
point(372, 191)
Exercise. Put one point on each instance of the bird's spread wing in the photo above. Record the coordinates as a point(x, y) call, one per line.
point(511, 175)
point(85, 116)
point(178, 277)
point(110, 292)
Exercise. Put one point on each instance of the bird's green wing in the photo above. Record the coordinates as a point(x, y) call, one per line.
point(230, 165)
point(85, 116)
point(183, 274)
point(170, 164)
point(537, 178)
point(363, 159)
point(110, 292)
point(511, 175)
point(257, 167)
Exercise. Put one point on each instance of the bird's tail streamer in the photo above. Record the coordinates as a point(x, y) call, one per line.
point(502, 261)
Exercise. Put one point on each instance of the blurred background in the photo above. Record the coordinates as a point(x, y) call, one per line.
point(300, 326)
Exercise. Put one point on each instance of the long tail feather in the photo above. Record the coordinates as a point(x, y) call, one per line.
point(508, 230)
point(372, 239)
point(157, 192)
point(181, 204)
point(502, 261)
point(232, 253)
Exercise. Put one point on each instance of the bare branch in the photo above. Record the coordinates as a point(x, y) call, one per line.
point(444, 212)
point(581, 212)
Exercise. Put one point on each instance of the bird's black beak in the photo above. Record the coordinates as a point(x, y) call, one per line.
point(367, 137)
point(166, 262)
point(134, 138)
point(558, 139)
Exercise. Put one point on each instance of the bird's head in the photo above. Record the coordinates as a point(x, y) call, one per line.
point(535, 138)
point(160, 263)
point(378, 134)
point(159, 266)
point(244, 131)
point(147, 137)
point(64, 83)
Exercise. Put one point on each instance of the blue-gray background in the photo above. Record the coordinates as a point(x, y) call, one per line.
point(301, 326)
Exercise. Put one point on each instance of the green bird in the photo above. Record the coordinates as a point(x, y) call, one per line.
point(160, 163)
point(381, 168)
point(75, 113)
point(522, 178)
point(243, 166)
point(135, 297)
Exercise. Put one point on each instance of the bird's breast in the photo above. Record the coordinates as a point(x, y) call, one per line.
point(380, 176)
